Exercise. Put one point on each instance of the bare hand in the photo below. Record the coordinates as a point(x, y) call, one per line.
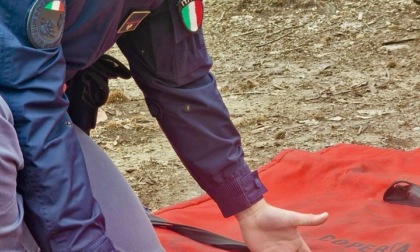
point(266, 228)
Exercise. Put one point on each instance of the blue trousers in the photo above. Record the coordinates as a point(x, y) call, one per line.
point(127, 223)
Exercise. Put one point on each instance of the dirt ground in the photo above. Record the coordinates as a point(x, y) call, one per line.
point(294, 74)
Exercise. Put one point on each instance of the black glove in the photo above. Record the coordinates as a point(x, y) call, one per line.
point(88, 90)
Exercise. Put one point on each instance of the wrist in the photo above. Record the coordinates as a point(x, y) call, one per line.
point(252, 210)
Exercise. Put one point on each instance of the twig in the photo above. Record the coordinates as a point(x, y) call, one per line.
point(242, 34)
point(362, 129)
point(274, 40)
point(285, 29)
point(388, 75)
point(257, 76)
point(393, 42)
point(289, 77)
point(246, 93)
point(221, 16)
point(284, 35)
point(354, 88)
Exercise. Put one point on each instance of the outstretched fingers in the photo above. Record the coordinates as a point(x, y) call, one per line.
point(301, 219)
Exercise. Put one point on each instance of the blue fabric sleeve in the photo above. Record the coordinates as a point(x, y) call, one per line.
point(60, 209)
point(171, 66)
point(11, 205)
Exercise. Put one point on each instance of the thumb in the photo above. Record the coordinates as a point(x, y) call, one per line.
point(300, 219)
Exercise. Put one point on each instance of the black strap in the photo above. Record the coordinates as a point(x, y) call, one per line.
point(201, 235)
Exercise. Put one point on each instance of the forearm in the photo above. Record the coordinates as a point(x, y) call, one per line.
point(198, 125)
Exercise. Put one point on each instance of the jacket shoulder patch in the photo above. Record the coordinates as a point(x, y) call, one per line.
point(45, 23)
point(133, 20)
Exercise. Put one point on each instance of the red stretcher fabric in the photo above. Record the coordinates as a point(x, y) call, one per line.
point(348, 181)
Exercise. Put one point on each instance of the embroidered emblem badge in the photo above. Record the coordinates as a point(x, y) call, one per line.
point(191, 13)
point(133, 20)
point(45, 23)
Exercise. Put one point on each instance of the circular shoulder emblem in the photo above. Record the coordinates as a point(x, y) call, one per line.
point(45, 23)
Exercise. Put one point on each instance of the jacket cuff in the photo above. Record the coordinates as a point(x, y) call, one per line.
point(235, 196)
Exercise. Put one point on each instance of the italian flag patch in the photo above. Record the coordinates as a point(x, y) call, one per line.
point(191, 13)
point(55, 6)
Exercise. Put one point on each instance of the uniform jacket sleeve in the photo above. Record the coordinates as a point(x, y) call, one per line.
point(171, 66)
point(60, 209)
point(11, 214)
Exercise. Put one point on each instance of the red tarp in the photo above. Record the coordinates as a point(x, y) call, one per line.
point(348, 181)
